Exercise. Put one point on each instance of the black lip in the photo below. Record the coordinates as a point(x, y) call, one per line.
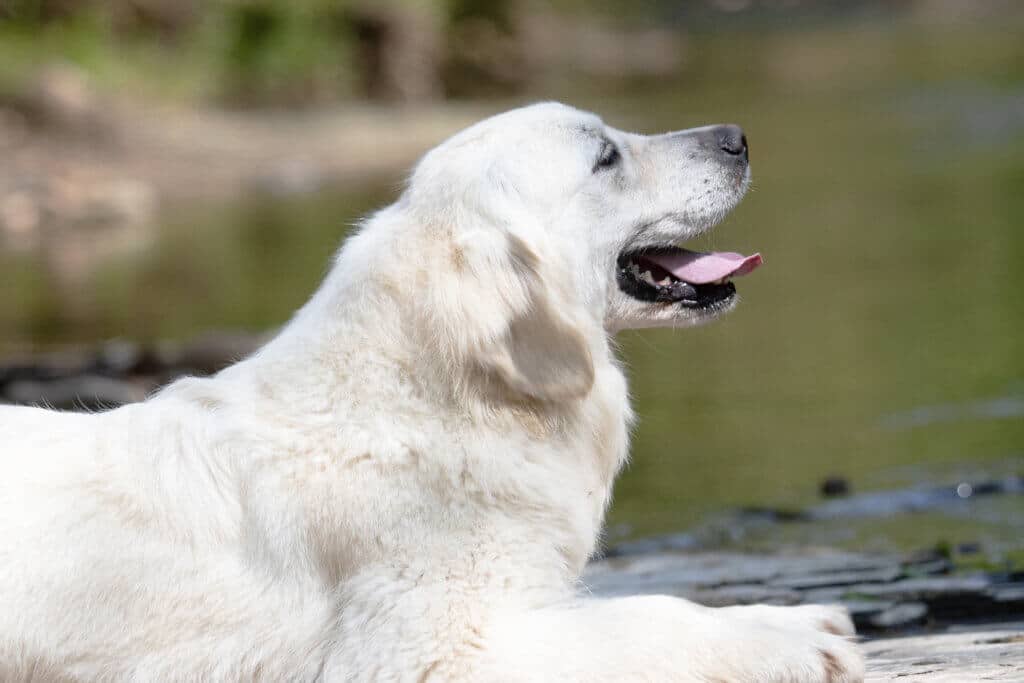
point(684, 294)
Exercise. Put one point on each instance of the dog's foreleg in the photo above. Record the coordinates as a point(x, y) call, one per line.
point(659, 638)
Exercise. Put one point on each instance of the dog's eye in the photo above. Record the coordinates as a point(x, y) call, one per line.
point(609, 157)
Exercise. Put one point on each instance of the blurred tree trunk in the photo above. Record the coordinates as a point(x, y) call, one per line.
point(485, 52)
point(398, 50)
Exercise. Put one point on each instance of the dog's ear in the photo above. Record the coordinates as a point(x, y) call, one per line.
point(543, 352)
point(510, 320)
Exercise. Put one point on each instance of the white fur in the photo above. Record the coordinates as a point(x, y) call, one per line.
point(406, 483)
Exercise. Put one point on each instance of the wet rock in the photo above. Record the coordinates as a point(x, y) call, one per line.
point(968, 548)
point(929, 588)
point(900, 616)
point(771, 515)
point(214, 351)
point(915, 499)
point(119, 357)
point(86, 392)
point(841, 578)
point(832, 487)
point(927, 564)
point(1011, 593)
point(668, 542)
point(750, 526)
point(860, 610)
point(746, 594)
point(707, 570)
point(883, 592)
point(117, 372)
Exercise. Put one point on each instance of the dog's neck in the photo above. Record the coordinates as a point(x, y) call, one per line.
point(347, 351)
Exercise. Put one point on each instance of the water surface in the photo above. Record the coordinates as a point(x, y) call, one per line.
point(882, 341)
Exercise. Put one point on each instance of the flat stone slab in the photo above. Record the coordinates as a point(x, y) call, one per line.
point(885, 594)
point(994, 653)
point(913, 610)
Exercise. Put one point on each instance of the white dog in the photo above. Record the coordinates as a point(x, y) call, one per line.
point(406, 483)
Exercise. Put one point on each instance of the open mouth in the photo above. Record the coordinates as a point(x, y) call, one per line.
point(691, 279)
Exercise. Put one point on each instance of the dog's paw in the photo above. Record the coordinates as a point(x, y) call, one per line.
point(808, 655)
point(804, 644)
point(838, 660)
point(832, 619)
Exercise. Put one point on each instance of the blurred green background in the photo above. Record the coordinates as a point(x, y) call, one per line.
point(174, 166)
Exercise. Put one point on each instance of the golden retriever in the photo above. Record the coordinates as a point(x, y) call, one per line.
point(405, 484)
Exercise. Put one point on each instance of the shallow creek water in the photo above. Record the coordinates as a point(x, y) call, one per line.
point(880, 342)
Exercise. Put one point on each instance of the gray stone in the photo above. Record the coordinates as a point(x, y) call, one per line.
point(975, 654)
point(902, 615)
point(880, 598)
point(860, 610)
point(89, 392)
point(884, 593)
point(1007, 593)
point(805, 581)
point(711, 569)
point(924, 588)
point(745, 594)
point(120, 356)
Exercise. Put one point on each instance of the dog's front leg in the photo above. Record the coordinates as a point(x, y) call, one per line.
point(659, 638)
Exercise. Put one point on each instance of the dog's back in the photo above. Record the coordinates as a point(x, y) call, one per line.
point(119, 553)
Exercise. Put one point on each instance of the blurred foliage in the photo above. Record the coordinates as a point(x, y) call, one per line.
point(295, 51)
point(276, 52)
point(253, 51)
point(239, 51)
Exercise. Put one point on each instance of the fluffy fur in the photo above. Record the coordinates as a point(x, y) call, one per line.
point(406, 483)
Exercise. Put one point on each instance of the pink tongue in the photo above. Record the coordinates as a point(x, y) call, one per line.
point(699, 268)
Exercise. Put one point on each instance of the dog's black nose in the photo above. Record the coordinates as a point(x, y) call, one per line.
point(731, 140)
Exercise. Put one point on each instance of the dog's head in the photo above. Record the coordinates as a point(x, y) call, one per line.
point(543, 226)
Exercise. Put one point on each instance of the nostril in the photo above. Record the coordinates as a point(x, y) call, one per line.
point(732, 140)
point(746, 147)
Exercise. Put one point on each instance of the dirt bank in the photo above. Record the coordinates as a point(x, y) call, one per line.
point(73, 157)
